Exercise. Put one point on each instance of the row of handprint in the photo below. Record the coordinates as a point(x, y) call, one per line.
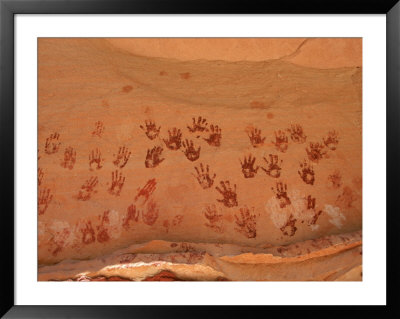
point(273, 164)
point(245, 217)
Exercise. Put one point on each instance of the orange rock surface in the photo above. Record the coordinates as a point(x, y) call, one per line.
point(248, 145)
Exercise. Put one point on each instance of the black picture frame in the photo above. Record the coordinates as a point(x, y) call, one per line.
point(8, 9)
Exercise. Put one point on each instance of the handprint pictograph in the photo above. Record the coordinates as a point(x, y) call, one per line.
point(44, 200)
point(166, 225)
point(174, 141)
point(255, 137)
point(88, 234)
point(316, 152)
point(214, 139)
point(153, 157)
point(122, 157)
point(52, 143)
point(336, 179)
point(59, 239)
point(203, 176)
point(151, 129)
point(199, 126)
point(95, 159)
point(229, 194)
point(87, 189)
point(132, 214)
point(40, 175)
point(273, 168)
point(98, 129)
point(102, 231)
point(306, 173)
point(297, 134)
point(127, 258)
point(290, 223)
point(177, 220)
point(214, 219)
point(248, 169)
point(147, 190)
point(347, 198)
point(281, 194)
point(331, 141)
point(190, 151)
point(69, 158)
point(150, 216)
point(311, 206)
point(246, 222)
point(117, 182)
point(281, 141)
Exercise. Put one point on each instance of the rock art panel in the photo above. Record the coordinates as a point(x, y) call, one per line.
point(142, 168)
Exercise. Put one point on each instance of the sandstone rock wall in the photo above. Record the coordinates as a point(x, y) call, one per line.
point(255, 153)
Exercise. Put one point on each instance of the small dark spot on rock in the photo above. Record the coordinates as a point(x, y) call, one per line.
point(270, 115)
point(127, 88)
point(163, 73)
point(257, 104)
point(185, 76)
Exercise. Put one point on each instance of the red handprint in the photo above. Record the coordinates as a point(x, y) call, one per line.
point(87, 189)
point(117, 182)
point(52, 144)
point(122, 157)
point(255, 137)
point(190, 152)
point(153, 157)
point(229, 194)
point(215, 136)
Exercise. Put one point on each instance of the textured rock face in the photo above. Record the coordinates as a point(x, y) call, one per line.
point(253, 153)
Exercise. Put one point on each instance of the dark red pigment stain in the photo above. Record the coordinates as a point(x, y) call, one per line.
point(248, 169)
point(273, 168)
point(95, 159)
point(52, 144)
point(255, 137)
point(151, 129)
point(332, 140)
point(185, 75)
point(147, 190)
point(127, 88)
point(281, 194)
point(190, 151)
point(315, 152)
point(215, 221)
point(69, 158)
point(199, 126)
point(215, 136)
point(88, 189)
point(281, 141)
point(117, 182)
point(297, 134)
point(122, 157)
point(306, 173)
point(151, 215)
point(229, 194)
point(98, 129)
point(246, 223)
point(174, 140)
point(203, 176)
point(153, 157)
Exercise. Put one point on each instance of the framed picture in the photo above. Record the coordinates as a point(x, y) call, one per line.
point(236, 154)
